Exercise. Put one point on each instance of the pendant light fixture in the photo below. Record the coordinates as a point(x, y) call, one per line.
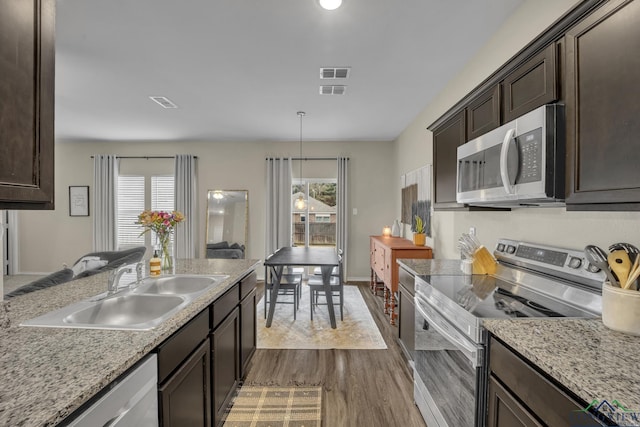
point(300, 202)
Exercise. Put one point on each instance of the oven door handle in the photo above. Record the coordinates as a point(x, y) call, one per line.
point(436, 321)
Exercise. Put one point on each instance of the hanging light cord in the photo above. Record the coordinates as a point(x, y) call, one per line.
point(301, 115)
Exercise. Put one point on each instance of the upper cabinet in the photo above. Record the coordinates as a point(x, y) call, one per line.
point(531, 85)
point(603, 109)
point(588, 61)
point(27, 104)
point(483, 114)
point(446, 139)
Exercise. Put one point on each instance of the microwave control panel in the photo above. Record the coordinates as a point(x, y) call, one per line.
point(530, 148)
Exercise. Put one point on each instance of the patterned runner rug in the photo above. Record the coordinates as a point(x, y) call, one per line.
point(358, 330)
point(276, 407)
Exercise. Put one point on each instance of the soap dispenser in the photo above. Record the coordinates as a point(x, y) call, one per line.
point(154, 264)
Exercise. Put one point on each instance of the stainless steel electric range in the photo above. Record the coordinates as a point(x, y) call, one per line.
point(532, 280)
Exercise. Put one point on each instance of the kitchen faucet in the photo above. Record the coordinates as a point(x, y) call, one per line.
point(116, 275)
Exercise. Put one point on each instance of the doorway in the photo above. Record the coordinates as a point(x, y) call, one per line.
point(315, 223)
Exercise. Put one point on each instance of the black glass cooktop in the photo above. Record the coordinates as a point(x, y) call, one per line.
point(490, 297)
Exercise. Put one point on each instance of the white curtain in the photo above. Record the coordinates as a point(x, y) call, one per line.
point(186, 202)
point(105, 185)
point(278, 195)
point(342, 201)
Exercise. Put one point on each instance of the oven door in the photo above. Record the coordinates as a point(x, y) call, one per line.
point(449, 376)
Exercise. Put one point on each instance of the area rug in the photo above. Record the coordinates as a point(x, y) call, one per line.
point(276, 407)
point(358, 330)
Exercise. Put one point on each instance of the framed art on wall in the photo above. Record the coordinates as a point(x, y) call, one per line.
point(79, 200)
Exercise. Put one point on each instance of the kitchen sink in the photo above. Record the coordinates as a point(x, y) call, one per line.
point(129, 310)
point(138, 309)
point(172, 285)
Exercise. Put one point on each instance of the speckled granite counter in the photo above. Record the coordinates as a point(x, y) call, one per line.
point(431, 267)
point(47, 373)
point(590, 360)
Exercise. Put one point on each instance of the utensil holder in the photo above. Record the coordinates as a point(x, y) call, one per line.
point(483, 261)
point(621, 309)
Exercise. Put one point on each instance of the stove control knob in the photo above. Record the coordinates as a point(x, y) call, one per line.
point(500, 247)
point(511, 249)
point(592, 268)
point(575, 262)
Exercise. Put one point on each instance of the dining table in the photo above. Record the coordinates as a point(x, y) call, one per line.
point(302, 256)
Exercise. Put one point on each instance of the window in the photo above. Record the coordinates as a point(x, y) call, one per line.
point(320, 209)
point(134, 196)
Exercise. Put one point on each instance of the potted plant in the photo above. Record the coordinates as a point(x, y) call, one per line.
point(419, 235)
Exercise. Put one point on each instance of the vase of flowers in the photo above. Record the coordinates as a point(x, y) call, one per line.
point(163, 224)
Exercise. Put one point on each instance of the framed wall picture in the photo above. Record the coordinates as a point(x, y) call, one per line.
point(79, 200)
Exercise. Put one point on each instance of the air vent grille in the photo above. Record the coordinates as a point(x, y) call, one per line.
point(335, 72)
point(163, 101)
point(332, 90)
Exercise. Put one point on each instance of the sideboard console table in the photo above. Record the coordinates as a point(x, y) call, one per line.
point(384, 252)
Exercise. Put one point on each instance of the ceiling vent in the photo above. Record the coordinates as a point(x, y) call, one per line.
point(334, 72)
point(163, 101)
point(332, 90)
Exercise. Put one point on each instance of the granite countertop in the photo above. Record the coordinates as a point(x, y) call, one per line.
point(594, 362)
point(432, 267)
point(47, 373)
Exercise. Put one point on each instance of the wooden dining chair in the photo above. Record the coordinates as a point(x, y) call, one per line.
point(316, 288)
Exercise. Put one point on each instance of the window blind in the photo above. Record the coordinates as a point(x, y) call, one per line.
point(130, 204)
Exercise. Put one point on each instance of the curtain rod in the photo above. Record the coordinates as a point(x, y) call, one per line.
point(309, 158)
point(147, 157)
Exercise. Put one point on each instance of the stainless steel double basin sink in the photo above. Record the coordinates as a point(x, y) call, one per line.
point(140, 308)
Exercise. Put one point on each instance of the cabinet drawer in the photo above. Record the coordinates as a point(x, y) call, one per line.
point(552, 405)
point(175, 349)
point(225, 305)
point(247, 284)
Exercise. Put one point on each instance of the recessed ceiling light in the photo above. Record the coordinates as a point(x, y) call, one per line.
point(330, 4)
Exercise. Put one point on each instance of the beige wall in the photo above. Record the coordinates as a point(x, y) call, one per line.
point(49, 239)
point(553, 226)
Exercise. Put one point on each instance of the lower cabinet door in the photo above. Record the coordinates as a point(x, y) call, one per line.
point(247, 331)
point(185, 397)
point(225, 356)
point(505, 411)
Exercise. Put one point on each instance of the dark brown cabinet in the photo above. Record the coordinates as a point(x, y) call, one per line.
point(184, 391)
point(201, 365)
point(27, 104)
point(247, 331)
point(531, 85)
point(519, 395)
point(407, 313)
point(602, 109)
point(225, 355)
point(483, 114)
point(185, 399)
point(446, 140)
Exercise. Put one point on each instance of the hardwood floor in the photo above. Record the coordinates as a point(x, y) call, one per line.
point(361, 387)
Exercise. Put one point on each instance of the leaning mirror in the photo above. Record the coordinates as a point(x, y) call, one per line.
point(227, 216)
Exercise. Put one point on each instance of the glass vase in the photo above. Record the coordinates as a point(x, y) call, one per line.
point(166, 257)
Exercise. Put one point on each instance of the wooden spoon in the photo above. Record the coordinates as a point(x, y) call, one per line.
point(620, 264)
point(633, 274)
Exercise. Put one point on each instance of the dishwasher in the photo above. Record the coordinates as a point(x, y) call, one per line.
point(132, 400)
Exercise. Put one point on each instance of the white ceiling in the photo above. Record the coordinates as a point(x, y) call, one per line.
point(239, 70)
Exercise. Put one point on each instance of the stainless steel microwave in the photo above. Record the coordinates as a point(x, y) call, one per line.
point(519, 164)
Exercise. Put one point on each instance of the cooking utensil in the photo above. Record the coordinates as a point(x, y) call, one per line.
point(631, 280)
point(630, 249)
point(621, 265)
point(596, 256)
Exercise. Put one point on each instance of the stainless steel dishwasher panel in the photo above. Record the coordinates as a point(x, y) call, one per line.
point(132, 401)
